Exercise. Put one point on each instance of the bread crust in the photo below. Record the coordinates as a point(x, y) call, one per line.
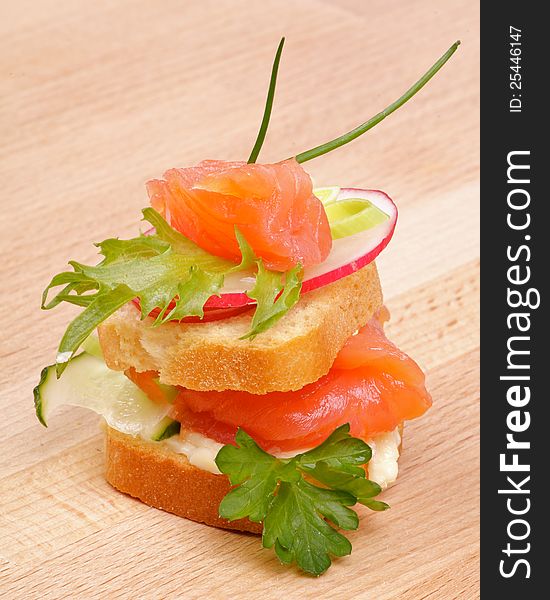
point(166, 480)
point(298, 350)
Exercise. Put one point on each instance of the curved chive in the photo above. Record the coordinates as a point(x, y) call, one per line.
point(354, 133)
point(268, 105)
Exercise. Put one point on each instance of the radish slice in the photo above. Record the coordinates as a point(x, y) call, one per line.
point(212, 314)
point(348, 254)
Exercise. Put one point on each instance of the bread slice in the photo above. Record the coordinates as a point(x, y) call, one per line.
point(298, 350)
point(164, 479)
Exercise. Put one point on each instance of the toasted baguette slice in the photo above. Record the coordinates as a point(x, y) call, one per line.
point(298, 350)
point(166, 480)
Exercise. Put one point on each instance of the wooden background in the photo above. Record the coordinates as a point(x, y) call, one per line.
point(98, 97)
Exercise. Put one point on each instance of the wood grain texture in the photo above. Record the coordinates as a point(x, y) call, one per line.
point(99, 96)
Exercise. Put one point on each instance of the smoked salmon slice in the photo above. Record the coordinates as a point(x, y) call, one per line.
point(147, 381)
point(272, 205)
point(372, 385)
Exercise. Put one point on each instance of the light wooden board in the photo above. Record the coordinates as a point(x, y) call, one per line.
point(97, 97)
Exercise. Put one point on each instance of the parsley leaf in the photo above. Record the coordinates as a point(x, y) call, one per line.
point(340, 452)
point(255, 472)
point(300, 515)
point(164, 270)
point(296, 528)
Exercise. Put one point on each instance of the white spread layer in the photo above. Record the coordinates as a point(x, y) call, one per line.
point(383, 465)
point(201, 452)
point(199, 449)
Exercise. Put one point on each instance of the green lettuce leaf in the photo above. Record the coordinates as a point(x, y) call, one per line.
point(275, 294)
point(164, 270)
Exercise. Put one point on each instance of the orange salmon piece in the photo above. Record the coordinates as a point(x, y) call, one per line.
point(147, 381)
point(372, 385)
point(272, 205)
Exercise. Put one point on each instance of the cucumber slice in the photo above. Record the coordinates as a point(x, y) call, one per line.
point(91, 345)
point(87, 382)
point(353, 215)
point(166, 429)
point(170, 391)
point(327, 195)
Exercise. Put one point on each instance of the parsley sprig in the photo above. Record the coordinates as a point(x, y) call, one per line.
point(164, 270)
point(300, 500)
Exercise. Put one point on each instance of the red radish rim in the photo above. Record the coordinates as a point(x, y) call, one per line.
point(363, 261)
point(214, 314)
point(235, 300)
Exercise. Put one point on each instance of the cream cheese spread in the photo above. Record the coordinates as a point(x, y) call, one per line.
point(201, 452)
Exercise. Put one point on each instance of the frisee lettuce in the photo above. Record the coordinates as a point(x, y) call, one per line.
point(164, 270)
point(295, 511)
point(275, 293)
